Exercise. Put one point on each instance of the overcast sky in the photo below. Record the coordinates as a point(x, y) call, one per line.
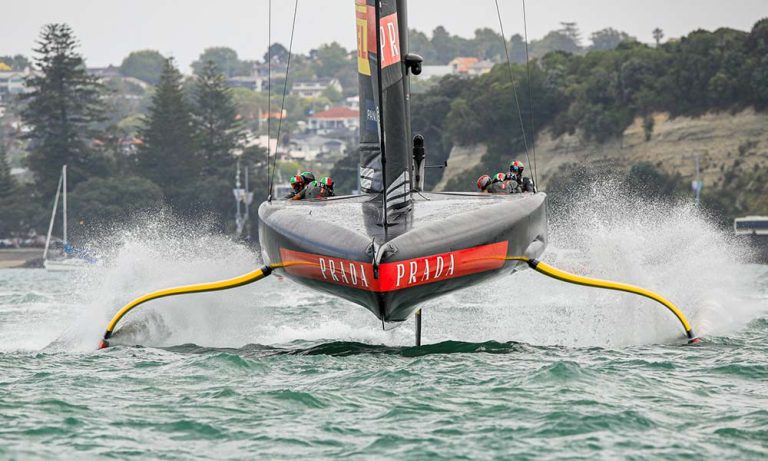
point(110, 29)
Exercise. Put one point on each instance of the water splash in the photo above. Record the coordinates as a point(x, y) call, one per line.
point(608, 233)
point(672, 249)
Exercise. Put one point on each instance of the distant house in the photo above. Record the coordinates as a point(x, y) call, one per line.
point(314, 88)
point(428, 72)
point(311, 147)
point(13, 83)
point(261, 69)
point(253, 83)
point(335, 118)
point(463, 65)
point(264, 117)
point(352, 102)
point(469, 66)
point(270, 144)
point(480, 68)
point(105, 72)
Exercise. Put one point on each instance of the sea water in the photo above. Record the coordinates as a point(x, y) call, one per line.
point(524, 367)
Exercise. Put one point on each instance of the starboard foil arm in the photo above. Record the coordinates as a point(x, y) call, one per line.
point(567, 277)
point(242, 280)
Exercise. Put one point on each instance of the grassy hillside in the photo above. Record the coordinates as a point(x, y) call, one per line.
point(732, 150)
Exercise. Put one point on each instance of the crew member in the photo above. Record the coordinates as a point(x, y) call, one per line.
point(483, 182)
point(308, 177)
point(326, 187)
point(499, 184)
point(522, 183)
point(311, 191)
point(297, 184)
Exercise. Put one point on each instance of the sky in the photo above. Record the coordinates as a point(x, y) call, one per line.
point(109, 30)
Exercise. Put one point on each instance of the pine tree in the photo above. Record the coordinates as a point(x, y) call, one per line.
point(215, 115)
point(168, 156)
point(63, 106)
point(8, 186)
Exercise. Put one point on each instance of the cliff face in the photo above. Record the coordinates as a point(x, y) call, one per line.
point(735, 143)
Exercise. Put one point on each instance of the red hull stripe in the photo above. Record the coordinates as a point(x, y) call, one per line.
point(397, 275)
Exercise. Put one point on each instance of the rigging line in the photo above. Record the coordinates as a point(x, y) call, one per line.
point(269, 98)
point(530, 97)
point(512, 81)
point(285, 92)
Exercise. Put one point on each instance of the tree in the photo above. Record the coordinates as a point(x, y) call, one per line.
point(442, 43)
point(420, 44)
point(105, 201)
point(64, 105)
point(554, 41)
point(8, 184)
point(19, 211)
point(16, 63)
point(571, 30)
point(488, 44)
point(146, 65)
point(225, 59)
point(278, 52)
point(216, 118)
point(168, 156)
point(332, 60)
point(608, 39)
point(658, 34)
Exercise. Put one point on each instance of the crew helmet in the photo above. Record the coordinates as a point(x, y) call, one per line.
point(500, 177)
point(327, 181)
point(308, 177)
point(516, 167)
point(483, 182)
point(297, 182)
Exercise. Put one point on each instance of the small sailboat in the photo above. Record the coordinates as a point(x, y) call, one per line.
point(69, 258)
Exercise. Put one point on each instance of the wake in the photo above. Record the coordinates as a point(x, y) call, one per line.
point(671, 249)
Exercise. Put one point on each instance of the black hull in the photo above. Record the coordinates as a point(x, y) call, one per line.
point(448, 242)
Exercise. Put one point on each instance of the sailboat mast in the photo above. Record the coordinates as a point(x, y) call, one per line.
point(53, 219)
point(64, 186)
point(380, 108)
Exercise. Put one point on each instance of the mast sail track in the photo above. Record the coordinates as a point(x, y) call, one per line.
point(385, 157)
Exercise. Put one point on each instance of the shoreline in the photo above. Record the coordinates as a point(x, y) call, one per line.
point(15, 258)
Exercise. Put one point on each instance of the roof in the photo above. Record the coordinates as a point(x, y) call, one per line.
point(462, 64)
point(325, 82)
point(337, 112)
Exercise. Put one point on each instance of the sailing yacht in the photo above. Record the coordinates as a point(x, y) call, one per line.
point(70, 259)
point(396, 246)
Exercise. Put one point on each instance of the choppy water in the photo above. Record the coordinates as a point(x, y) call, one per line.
point(522, 368)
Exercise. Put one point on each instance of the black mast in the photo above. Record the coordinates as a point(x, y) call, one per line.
point(380, 117)
point(385, 146)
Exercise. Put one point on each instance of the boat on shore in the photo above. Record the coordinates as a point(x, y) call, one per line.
point(67, 257)
point(753, 230)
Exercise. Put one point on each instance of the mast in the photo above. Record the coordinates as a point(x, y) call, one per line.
point(385, 146)
point(64, 189)
point(53, 218)
point(380, 117)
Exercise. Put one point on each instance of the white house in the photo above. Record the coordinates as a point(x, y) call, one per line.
point(481, 68)
point(334, 119)
point(310, 147)
point(428, 72)
point(254, 83)
point(13, 83)
point(314, 88)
